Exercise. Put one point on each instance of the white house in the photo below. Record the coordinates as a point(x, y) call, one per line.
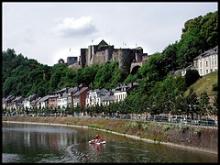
point(94, 97)
point(62, 100)
point(27, 104)
point(207, 62)
point(43, 103)
point(106, 100)
point(120, 93)
point(35, 103)
point(27, 101)
point(17, 102)
point(8, 102)
point(3, 103)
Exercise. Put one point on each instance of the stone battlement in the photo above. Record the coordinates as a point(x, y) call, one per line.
point(102, 53)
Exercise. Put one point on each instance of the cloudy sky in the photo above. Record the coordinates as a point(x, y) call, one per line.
point(50, 31)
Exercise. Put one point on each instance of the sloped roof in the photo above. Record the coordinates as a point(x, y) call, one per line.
point(43, 98)
point(10, 98)
point(102, 43)
point(35, 100)
point(31, 97)
point(47, 97)
point(80, 91)
point(18, 98)
point(108, 98)
point(61, 90)
point(101, 92)
point(73, 90)
point(64, 95)
point(208, 52)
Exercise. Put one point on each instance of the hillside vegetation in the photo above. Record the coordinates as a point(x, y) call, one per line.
point(207, 84)
point(158, 90)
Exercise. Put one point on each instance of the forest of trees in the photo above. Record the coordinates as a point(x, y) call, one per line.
point(157, 90)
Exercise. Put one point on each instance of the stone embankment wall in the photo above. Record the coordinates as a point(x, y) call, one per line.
point(192, 137)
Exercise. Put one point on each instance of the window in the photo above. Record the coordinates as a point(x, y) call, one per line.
point(195, 63)
point(206, 63)
point(207, 71)
point(210, 70)
point(201, 64)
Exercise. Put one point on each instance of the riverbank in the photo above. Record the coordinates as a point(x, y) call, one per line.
point(185, 137)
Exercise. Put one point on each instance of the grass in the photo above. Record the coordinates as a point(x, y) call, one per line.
point(205, 84)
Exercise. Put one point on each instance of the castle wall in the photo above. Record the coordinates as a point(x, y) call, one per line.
point(100, 54)
point(83, 57)
point(115, 55)
point(99, 58)
point(126, 57)
point(109, 52)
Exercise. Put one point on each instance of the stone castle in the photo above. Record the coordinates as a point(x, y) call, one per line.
point(102, 53)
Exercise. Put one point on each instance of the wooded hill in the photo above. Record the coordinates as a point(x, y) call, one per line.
point(23, 76)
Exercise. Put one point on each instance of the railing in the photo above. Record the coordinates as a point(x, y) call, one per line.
point(130, 117)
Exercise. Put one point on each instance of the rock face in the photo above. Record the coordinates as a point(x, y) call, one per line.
point(102, 53)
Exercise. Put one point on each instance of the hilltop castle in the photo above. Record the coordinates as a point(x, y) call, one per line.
point(128, 59)
point(102, 53)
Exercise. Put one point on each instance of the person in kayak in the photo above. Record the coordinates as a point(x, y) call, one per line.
point(97, 138)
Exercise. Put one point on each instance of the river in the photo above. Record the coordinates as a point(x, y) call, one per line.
point(55, 144)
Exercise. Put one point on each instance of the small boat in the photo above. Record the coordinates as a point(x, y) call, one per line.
point(94, 142)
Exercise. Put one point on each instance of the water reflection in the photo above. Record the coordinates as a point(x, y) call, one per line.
point(35, 143)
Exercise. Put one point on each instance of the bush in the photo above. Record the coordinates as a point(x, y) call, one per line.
point(191, 77)
point(215, 87)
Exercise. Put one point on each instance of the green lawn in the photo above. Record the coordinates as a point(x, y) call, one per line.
point(205, 84)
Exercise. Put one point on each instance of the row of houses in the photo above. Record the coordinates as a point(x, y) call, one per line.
point(80, 96)
point(204, 63)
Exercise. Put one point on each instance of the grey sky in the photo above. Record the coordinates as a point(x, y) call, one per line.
point(49, 31)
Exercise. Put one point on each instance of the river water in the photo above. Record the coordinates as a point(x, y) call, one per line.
point(55, 144)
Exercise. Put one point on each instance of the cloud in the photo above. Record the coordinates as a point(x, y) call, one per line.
point(70, 27)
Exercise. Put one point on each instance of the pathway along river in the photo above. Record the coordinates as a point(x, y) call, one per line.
point(38, 143)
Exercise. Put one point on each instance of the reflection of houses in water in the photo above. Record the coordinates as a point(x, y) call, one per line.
point(63, 139)
point(53, 141)
point(41, 139)
point(27, 138)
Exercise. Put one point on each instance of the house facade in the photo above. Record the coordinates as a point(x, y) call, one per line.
point(79, 98)
point(35, 103)
point(7, 102)
point(52, 101)
point(43, 102)
point(62, 101)
point(99, 97)
point(62, 97)
point(120, 93)
point(207, 62)
point(106, 100)
point(17, 103)
point(71, 92)
point(27, 101)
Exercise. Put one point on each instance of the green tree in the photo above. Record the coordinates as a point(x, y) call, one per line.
point(204, 103)
point(191, 77)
